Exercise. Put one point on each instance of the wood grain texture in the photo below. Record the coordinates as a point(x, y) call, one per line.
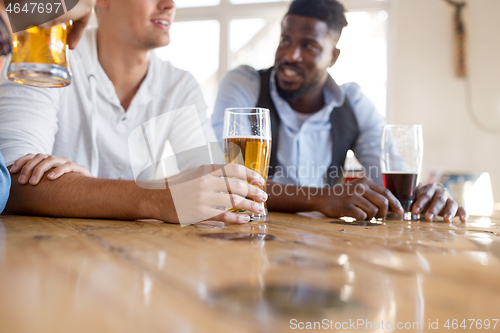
point(75, 275)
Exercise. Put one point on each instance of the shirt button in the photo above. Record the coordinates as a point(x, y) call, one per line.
point(124, 118)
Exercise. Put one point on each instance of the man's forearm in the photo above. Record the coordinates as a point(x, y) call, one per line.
point(74, 195)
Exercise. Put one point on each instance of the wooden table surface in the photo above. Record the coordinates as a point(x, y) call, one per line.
point(76, 275)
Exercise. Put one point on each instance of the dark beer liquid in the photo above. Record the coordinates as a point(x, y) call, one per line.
point(403, 186)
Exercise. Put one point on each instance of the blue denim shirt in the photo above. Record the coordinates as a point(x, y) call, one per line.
point(4, 183)
point(305, 143)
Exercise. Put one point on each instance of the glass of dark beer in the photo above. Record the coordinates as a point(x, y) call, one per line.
point(247, 141)
point(401, 162)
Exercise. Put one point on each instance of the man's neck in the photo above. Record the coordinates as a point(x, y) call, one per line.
point(311, 102)
point(126, 67)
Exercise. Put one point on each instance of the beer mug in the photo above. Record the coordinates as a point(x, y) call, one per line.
point(401, 162)
point(247, 141)
point(39, 57)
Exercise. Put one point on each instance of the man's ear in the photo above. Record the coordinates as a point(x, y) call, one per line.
point(335, 56)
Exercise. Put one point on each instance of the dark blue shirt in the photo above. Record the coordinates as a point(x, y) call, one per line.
point(4, 183)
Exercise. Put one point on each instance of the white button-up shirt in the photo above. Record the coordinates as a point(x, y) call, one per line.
point(94, 131)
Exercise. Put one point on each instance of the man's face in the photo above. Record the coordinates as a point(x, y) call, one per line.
point(145, 23)
point(306, 50)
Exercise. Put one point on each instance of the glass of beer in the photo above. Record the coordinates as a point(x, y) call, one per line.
point(39, 57)
point(247, 141)
point(401, 162)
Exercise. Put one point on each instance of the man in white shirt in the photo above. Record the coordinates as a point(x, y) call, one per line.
point(118, 86)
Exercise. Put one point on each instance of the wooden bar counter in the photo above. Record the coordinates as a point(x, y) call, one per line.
point(292, 273)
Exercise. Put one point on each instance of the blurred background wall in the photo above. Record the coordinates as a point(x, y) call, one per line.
point(424, 89)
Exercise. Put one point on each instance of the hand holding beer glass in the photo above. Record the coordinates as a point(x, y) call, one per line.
point(401, 162)
point(247, 141)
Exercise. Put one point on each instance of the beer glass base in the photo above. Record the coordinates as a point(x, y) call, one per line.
point(259, 217)
point(253, 217)
point(39, 75)
point(408, 216)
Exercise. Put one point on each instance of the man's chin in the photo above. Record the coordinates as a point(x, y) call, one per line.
point(289, 91)
point(290, 95)
point(289, 85)
point(155, 44)
point(156, 40)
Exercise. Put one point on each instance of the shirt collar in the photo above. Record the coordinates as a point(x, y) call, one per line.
point(151, 83)
point(334, 95)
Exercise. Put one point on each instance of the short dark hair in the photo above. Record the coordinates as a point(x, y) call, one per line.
point(331, 12)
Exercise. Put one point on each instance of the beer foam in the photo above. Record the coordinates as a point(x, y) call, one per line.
point(246, 137)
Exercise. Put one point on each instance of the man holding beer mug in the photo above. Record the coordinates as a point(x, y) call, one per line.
point(118, 85)
point(4, 50)
point(315, 122)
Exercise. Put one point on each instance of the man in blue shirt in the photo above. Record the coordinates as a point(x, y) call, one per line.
point(4, 173)
point(4, 184)
point(315, 122)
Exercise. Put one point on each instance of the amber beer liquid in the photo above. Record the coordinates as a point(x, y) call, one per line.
point(255, 155)
point(39, 57)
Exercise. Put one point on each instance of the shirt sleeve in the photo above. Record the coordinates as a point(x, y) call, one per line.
point(28, 119)
point(371, 123)
point(238, 88)
point(191, 131)
point(4, 184)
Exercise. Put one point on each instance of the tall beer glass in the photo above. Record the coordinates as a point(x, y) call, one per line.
point(247, 141)
point(39, 57)
point(401, 162)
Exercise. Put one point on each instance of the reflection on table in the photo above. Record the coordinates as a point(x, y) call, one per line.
point(74, 275)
